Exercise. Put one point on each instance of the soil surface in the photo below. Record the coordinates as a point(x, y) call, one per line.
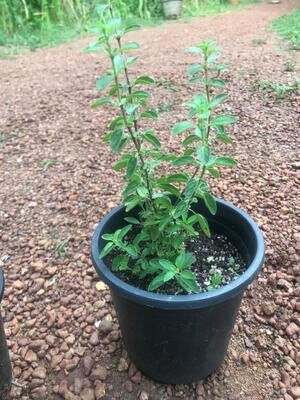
point(217, 263)
point(61, 326)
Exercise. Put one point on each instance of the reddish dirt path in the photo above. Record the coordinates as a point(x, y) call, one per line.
point(51, 302)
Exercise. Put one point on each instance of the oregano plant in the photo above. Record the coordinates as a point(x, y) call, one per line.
point(152, 242)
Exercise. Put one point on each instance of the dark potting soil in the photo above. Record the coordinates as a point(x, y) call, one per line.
point(218, 262)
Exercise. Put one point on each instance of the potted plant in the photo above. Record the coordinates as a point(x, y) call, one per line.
point(176, 260)
point(5, 366)
point(171, 8)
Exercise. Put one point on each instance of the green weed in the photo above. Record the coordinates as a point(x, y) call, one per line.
point(280, 90)
point(45, 164)
point(61, 248)
point(288, 27)
point(259, 42)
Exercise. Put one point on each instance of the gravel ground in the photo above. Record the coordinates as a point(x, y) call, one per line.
point(48, 213)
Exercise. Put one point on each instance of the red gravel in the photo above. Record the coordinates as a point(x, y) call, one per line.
point(52, 303)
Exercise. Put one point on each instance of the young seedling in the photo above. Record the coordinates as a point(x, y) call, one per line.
point(160, 214)
point(47, 164)
point(61, 248)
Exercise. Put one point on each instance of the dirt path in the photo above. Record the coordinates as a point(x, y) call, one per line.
point(51, 301)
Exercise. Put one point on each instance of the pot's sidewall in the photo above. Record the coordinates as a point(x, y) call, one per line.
point(180, 339)
point(176, 346)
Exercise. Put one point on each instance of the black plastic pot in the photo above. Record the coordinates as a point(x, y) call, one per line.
point(183, 338)
point(5, 366)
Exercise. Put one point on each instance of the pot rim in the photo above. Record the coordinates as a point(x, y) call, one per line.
point(188, 301)
point(1, 284)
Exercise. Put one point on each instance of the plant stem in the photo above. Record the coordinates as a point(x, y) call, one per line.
point(129, 128)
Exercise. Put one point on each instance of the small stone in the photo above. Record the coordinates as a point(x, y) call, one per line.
point(200, 389)
point(123, 365)
point(39, 373)
point(94, 339)
point(101, 286)
point(128, 386)
point(30, 356)
point(87, 394)
point(285, 378)
point(99, 373)
point(88, 363)
point(284, 284)
point(105, 326)
point(245, 358)
point(137, 377)
point(100, 390)
point(269, 308)
point(143, 396)
point(292, 329)
point(294, 392)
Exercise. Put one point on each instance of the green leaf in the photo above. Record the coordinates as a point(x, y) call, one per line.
point(190, 188)
point(218, 99)
point(132, 27)
point(132, 220)
point(102, 102)
point(131, 202)
point(195, 50)
point(185, 260)
point(216, 280)
point(166, 265)
point(93, 47)
point(139, 94)
point(107, 236)
point(131, 60)
point(168, 276)
point(131, 108)
point(143, 192)
point(210, 203)
point(224, 119)
point(156, 282)
point(144, 80)
point(170, 189)
point(224, 138)
point(219, 83)
point(187, 275)
point(203, 153)
point(103, 82)
point(107, 249)
point(152, 139)
point(190, 139)
point(181, 209)
point(121, 233)
point(181, 127)
point(188, 285)
point(194, 69)
point(225, 162)
point(120, 262)
point(213, 57)
point(177, 178)
point(130, 46)
point(116, 140)
point(184, 160)
point(131, 250)
point(131, 167)
point(214, 172)
point(204, 225)
point(149, 114)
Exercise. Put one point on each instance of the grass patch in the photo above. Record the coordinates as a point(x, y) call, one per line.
point(279, 90)
point(288, 27)
point(33, 36)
